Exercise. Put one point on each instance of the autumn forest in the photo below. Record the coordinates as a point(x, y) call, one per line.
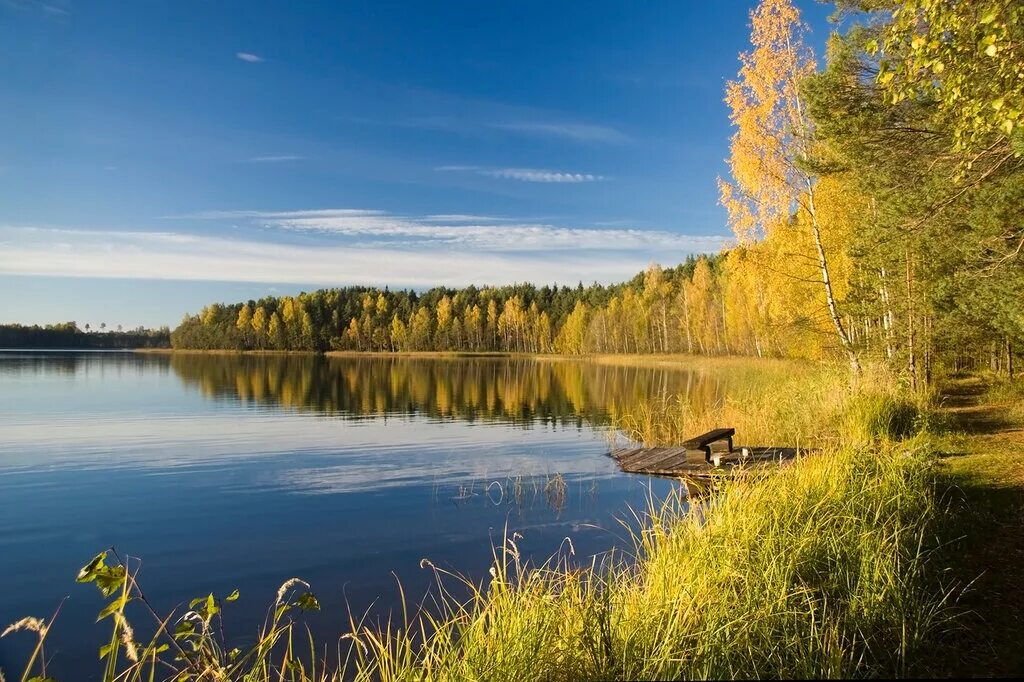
point(874, 196)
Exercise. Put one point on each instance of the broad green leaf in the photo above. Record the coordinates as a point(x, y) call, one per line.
point(307, 602)
point(113, 607)
point(88, 572)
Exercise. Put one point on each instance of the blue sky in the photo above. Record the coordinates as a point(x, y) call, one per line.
point(157, 156)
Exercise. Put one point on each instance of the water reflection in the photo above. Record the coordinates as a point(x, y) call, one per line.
point(227, 471)
point(510, 390)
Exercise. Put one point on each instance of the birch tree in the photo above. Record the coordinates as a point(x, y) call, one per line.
point(772, 148)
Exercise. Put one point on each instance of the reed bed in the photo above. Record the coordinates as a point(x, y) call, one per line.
point(781, 403)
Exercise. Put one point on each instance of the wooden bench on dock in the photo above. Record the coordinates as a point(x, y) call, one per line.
point(703, 442)
point(691, 455)
point(700, 457)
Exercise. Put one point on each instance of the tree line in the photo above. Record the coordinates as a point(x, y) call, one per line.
point(70, 335)
point(875, 197)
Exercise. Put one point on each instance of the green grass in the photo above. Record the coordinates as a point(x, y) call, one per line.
point(1009, 396)
point(982, 478)
point(820, 569)
point(792, 404)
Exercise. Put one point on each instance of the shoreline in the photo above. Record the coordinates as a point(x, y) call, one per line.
point(625, 359)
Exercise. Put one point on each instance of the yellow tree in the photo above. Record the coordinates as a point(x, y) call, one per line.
point(259, 324)
point(244, 323)
point(444, 321)
point(352, 334)
point(275, 331)
point(492, 323)
point(398, 334)
point(472, 326)
point(771, 151)
point(656, 296)
point(570, 338)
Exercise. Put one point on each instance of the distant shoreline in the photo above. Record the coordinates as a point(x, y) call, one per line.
point(624, 359)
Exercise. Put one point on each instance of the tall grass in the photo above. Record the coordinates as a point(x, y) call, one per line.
point(820, 569)
point(793, 404)
point(1009, 395)
point(816, 571)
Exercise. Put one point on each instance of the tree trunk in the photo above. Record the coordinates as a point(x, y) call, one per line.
point(887, 316)
point(911, 352)
point(833, 310)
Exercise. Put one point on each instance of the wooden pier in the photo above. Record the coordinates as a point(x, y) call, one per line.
point(708, 455)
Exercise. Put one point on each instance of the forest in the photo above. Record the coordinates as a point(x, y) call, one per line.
point(874, 196)
point(70, 335)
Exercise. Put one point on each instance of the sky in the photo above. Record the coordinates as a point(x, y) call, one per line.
point(159, 156)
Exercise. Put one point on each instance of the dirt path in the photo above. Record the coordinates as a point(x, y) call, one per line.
point(984, 478)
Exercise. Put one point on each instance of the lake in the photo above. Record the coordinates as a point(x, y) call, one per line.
point(229, 471)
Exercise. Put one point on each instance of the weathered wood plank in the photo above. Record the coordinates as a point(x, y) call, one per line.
point(623, 453)
point(660, 458)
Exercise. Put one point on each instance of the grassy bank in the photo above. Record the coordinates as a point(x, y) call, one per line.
point(816, 571)
point(819, 569)
point(982, 477)
point(780, 402)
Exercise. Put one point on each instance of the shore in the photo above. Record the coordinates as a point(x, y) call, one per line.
point(637, 359)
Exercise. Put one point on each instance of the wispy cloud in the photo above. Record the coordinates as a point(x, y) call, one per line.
point(477, 120)
point(374, 228)
point(348, 246)
point(49, 9)
point(178, 256)
point(525, 174)
point(239, 214)
point(535, 175)
point(277, 158)
point(463, 218)
point(249, 57)
point(580, 132)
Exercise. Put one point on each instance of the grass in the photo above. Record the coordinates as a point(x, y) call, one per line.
point(982, 477)
point(822, 569)
point(816, 571)
point(1009, 396)
point(800, 405)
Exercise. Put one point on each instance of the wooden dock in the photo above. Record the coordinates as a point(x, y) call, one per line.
point(682, 461)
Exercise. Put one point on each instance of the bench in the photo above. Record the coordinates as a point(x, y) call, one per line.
point(703, 442)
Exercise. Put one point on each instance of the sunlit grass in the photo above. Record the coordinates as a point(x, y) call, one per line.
point(779, 403)
point(816, 571)
point(1008, 395)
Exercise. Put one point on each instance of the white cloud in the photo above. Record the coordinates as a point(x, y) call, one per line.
point(463, 218)
point(481, 233)
point(278, 158)
point(249, 57)
point(535, 175)
point(395, 252)
point(457, 168)
point(525, 174)
point(316, 213)
point(580, 132)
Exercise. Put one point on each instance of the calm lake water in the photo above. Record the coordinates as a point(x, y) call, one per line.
point(226, 472)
